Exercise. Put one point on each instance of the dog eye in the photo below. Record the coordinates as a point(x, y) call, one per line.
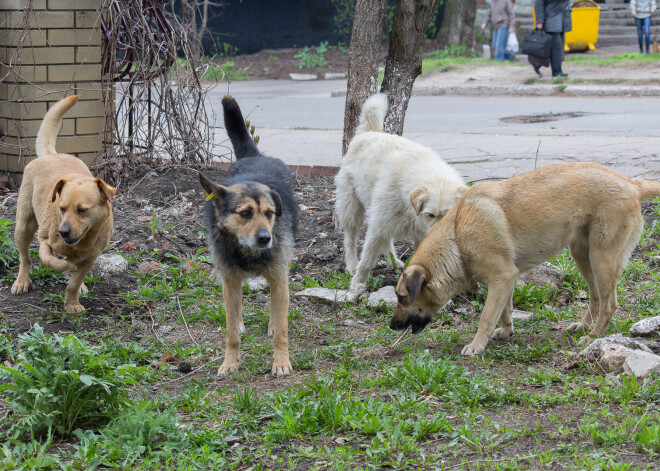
point(432, 216)
point(82, 210)
point(269, 214)
point(62, 209)
point(246, 214)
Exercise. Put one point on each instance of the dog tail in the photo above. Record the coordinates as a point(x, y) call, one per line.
point(373, 114)
point(648, 188)
point(237, 131)
point(51, 125)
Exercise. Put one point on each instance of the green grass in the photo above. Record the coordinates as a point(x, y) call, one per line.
point(633, 57)
point(526, 403)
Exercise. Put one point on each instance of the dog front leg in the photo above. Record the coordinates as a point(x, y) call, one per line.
point(23, 235)
point(279, 324)
point(73, 287)
point(48, 259)
point(233, 297)
point(498, 296)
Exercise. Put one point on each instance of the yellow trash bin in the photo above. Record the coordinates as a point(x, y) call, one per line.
point(585, 17)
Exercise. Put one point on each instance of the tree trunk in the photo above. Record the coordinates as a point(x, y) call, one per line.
point(362, 62)
point(404, 58)
point(458, 23)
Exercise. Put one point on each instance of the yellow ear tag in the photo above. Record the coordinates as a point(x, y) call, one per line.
point(208, 198)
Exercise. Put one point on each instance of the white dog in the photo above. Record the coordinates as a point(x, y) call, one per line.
point(402, 188)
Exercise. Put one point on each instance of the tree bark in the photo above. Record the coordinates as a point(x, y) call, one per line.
point(458, 23)
point(362, 62)
point(404, 58)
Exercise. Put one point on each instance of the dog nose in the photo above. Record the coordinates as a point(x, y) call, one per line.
point(65, 232)
point(263, 237)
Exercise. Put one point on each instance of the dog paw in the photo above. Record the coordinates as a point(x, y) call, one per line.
point(227, 367)
point(281, 368)
point(20, 287)
point(502, 333)
point(577, 327)
point(471, 350)
point(74, 308)
point(83, 289)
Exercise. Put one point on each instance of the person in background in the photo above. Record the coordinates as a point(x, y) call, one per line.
point(503, 18)
point(554, 17)
point(643, 10)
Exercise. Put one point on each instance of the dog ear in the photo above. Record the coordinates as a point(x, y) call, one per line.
point(415, 278)
point(105, 189)
point(58, 189)
point(218, 191)
point(278, 202)
point(461, 190)
point(418, 197)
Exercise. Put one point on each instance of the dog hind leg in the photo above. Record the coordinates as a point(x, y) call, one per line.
point(233, 297)
point(373, 243)
point(390, 249)
point(279, 313)
point(579, 248)
point(506, 319)
point(350, 217)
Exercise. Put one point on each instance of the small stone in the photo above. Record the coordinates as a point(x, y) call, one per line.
point(302, 207)
point(147, 267)
point(333, 297)
point(592, 352)
point(543, 275)
point(612, 356)
point(165, 329)
point(521, 315)
point(185, 367)
point(294, 76)
point(128, 247)
point(230, 439)
point(257, 284)
point(334, 75)
point(646, 327)
point(348, 322)
point(327, 253)
point(111, 263)
point(384, 299)
point(641, 364)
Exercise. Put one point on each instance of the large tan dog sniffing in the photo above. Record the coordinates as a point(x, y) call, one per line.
point(400, 187)
point(69, 207)
point(498, 230)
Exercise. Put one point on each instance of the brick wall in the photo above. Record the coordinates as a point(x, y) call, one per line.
point(49, 49)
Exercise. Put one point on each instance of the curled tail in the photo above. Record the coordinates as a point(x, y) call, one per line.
point(373, 114)
point(51, 125)
point(243, 144)
point(648, 188)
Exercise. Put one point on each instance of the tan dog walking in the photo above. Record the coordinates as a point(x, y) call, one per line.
point(70, 208)
point(501, 229)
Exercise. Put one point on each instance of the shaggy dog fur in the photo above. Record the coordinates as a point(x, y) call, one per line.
point(400, 187)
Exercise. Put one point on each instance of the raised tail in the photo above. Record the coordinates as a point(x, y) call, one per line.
point(373, 114)
point(51, 125)
point(648, 188)
point(243, 144)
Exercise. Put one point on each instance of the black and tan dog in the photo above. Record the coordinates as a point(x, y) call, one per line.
point(498, 230)
point(252, 220)
point(70, 208)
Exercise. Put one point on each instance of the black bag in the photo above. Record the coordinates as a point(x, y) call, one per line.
point(538, 44)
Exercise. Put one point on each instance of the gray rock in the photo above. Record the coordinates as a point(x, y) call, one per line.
point(542, 275)
point(592, 352)
point(383, 300)
point(333, 297)
point(348, 322)
point(612, 356)
point(257, 284)
point(642, 364)
point(522, 315)
point(303, 76)
point(165, 329)
point(334, 75)
point(646, 327)
point(327, 253)
point(111, 263)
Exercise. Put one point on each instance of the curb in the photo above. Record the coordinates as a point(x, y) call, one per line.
point(560, 89)
point(309, 171)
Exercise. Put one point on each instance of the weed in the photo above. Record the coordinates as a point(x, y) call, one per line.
point(226, 49)
point(648, 438)
point(8, 252)
point(311, 60)
point(560, 88)
point(63, 383)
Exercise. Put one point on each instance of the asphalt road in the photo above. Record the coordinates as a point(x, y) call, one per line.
point(301, 123)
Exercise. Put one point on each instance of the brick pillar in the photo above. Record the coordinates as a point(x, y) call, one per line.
point(49, 49)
